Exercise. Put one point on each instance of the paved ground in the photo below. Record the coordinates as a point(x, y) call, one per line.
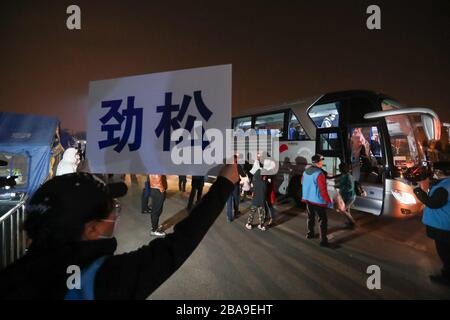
point(234, 263)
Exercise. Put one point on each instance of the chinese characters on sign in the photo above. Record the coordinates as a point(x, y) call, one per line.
point(132, 121)
point(167, 123)
point(129, 115)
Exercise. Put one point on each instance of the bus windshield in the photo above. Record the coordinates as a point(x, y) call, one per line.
point(406, 149)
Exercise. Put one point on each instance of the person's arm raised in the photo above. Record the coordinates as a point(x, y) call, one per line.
point(137, 274)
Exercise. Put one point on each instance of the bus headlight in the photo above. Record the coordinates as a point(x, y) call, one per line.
point(404, 197)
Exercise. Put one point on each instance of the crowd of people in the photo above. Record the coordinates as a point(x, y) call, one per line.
point(64, 231)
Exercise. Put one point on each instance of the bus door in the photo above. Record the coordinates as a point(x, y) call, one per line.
point(366, 155)
point(329, 144)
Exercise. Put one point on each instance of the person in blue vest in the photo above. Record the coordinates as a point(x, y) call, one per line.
point(315, 195)
point(70, 223)
point(436, 217)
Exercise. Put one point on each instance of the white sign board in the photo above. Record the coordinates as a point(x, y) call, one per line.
point(131, 119)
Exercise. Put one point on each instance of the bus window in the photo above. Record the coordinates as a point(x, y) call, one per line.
point(244, 123)
point(328, 143)
point(295, 129)
point(366, 154)
point(271, 124)
point(325, 115)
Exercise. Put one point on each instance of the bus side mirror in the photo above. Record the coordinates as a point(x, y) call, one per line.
point(431, 128)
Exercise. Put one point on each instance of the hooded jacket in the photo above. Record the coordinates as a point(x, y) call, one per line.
point(69, 162)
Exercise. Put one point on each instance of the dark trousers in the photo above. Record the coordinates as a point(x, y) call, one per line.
point(182, 183)
point(197, 188)
point(321, 212)
point(233, 202)
point(158, 199)
point(146, 192)
point(443, 250)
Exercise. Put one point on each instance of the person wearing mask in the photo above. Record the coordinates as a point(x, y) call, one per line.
point(436, 217)
point(315, 194)
point(69, 162)
point(197, 184)
point(158, 186)
point(65, 231)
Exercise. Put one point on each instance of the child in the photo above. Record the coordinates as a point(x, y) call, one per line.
point(347, 191)
point(258, 201)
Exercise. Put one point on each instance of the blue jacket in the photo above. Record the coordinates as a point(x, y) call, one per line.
point(438, 218)
point(314, 187)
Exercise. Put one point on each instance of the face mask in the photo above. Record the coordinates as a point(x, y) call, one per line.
point(114, 229)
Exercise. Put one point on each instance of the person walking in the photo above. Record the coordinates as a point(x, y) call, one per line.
point(146, 193)
point(315, 194)
point(197, 184)
point(258, 201)
point(347, 192)
point(182, 183)
point(234, 198)
point(158, 186)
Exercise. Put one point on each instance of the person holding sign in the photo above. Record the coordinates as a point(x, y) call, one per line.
point(66, 233)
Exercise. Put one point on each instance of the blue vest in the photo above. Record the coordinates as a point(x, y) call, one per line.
point(438, 218)
point(310, 187)
point(86, 292)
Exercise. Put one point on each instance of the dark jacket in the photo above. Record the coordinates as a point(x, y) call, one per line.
point(133, 275)
point(259, 190)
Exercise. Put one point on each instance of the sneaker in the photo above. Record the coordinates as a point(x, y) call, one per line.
point(158, 233)
point(309, 236)
point(261, 227)
point(147, 211)
point(249, 226)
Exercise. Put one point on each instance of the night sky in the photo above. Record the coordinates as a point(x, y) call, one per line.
point(280, 50)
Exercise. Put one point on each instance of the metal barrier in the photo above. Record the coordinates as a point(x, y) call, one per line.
point(12, 237)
